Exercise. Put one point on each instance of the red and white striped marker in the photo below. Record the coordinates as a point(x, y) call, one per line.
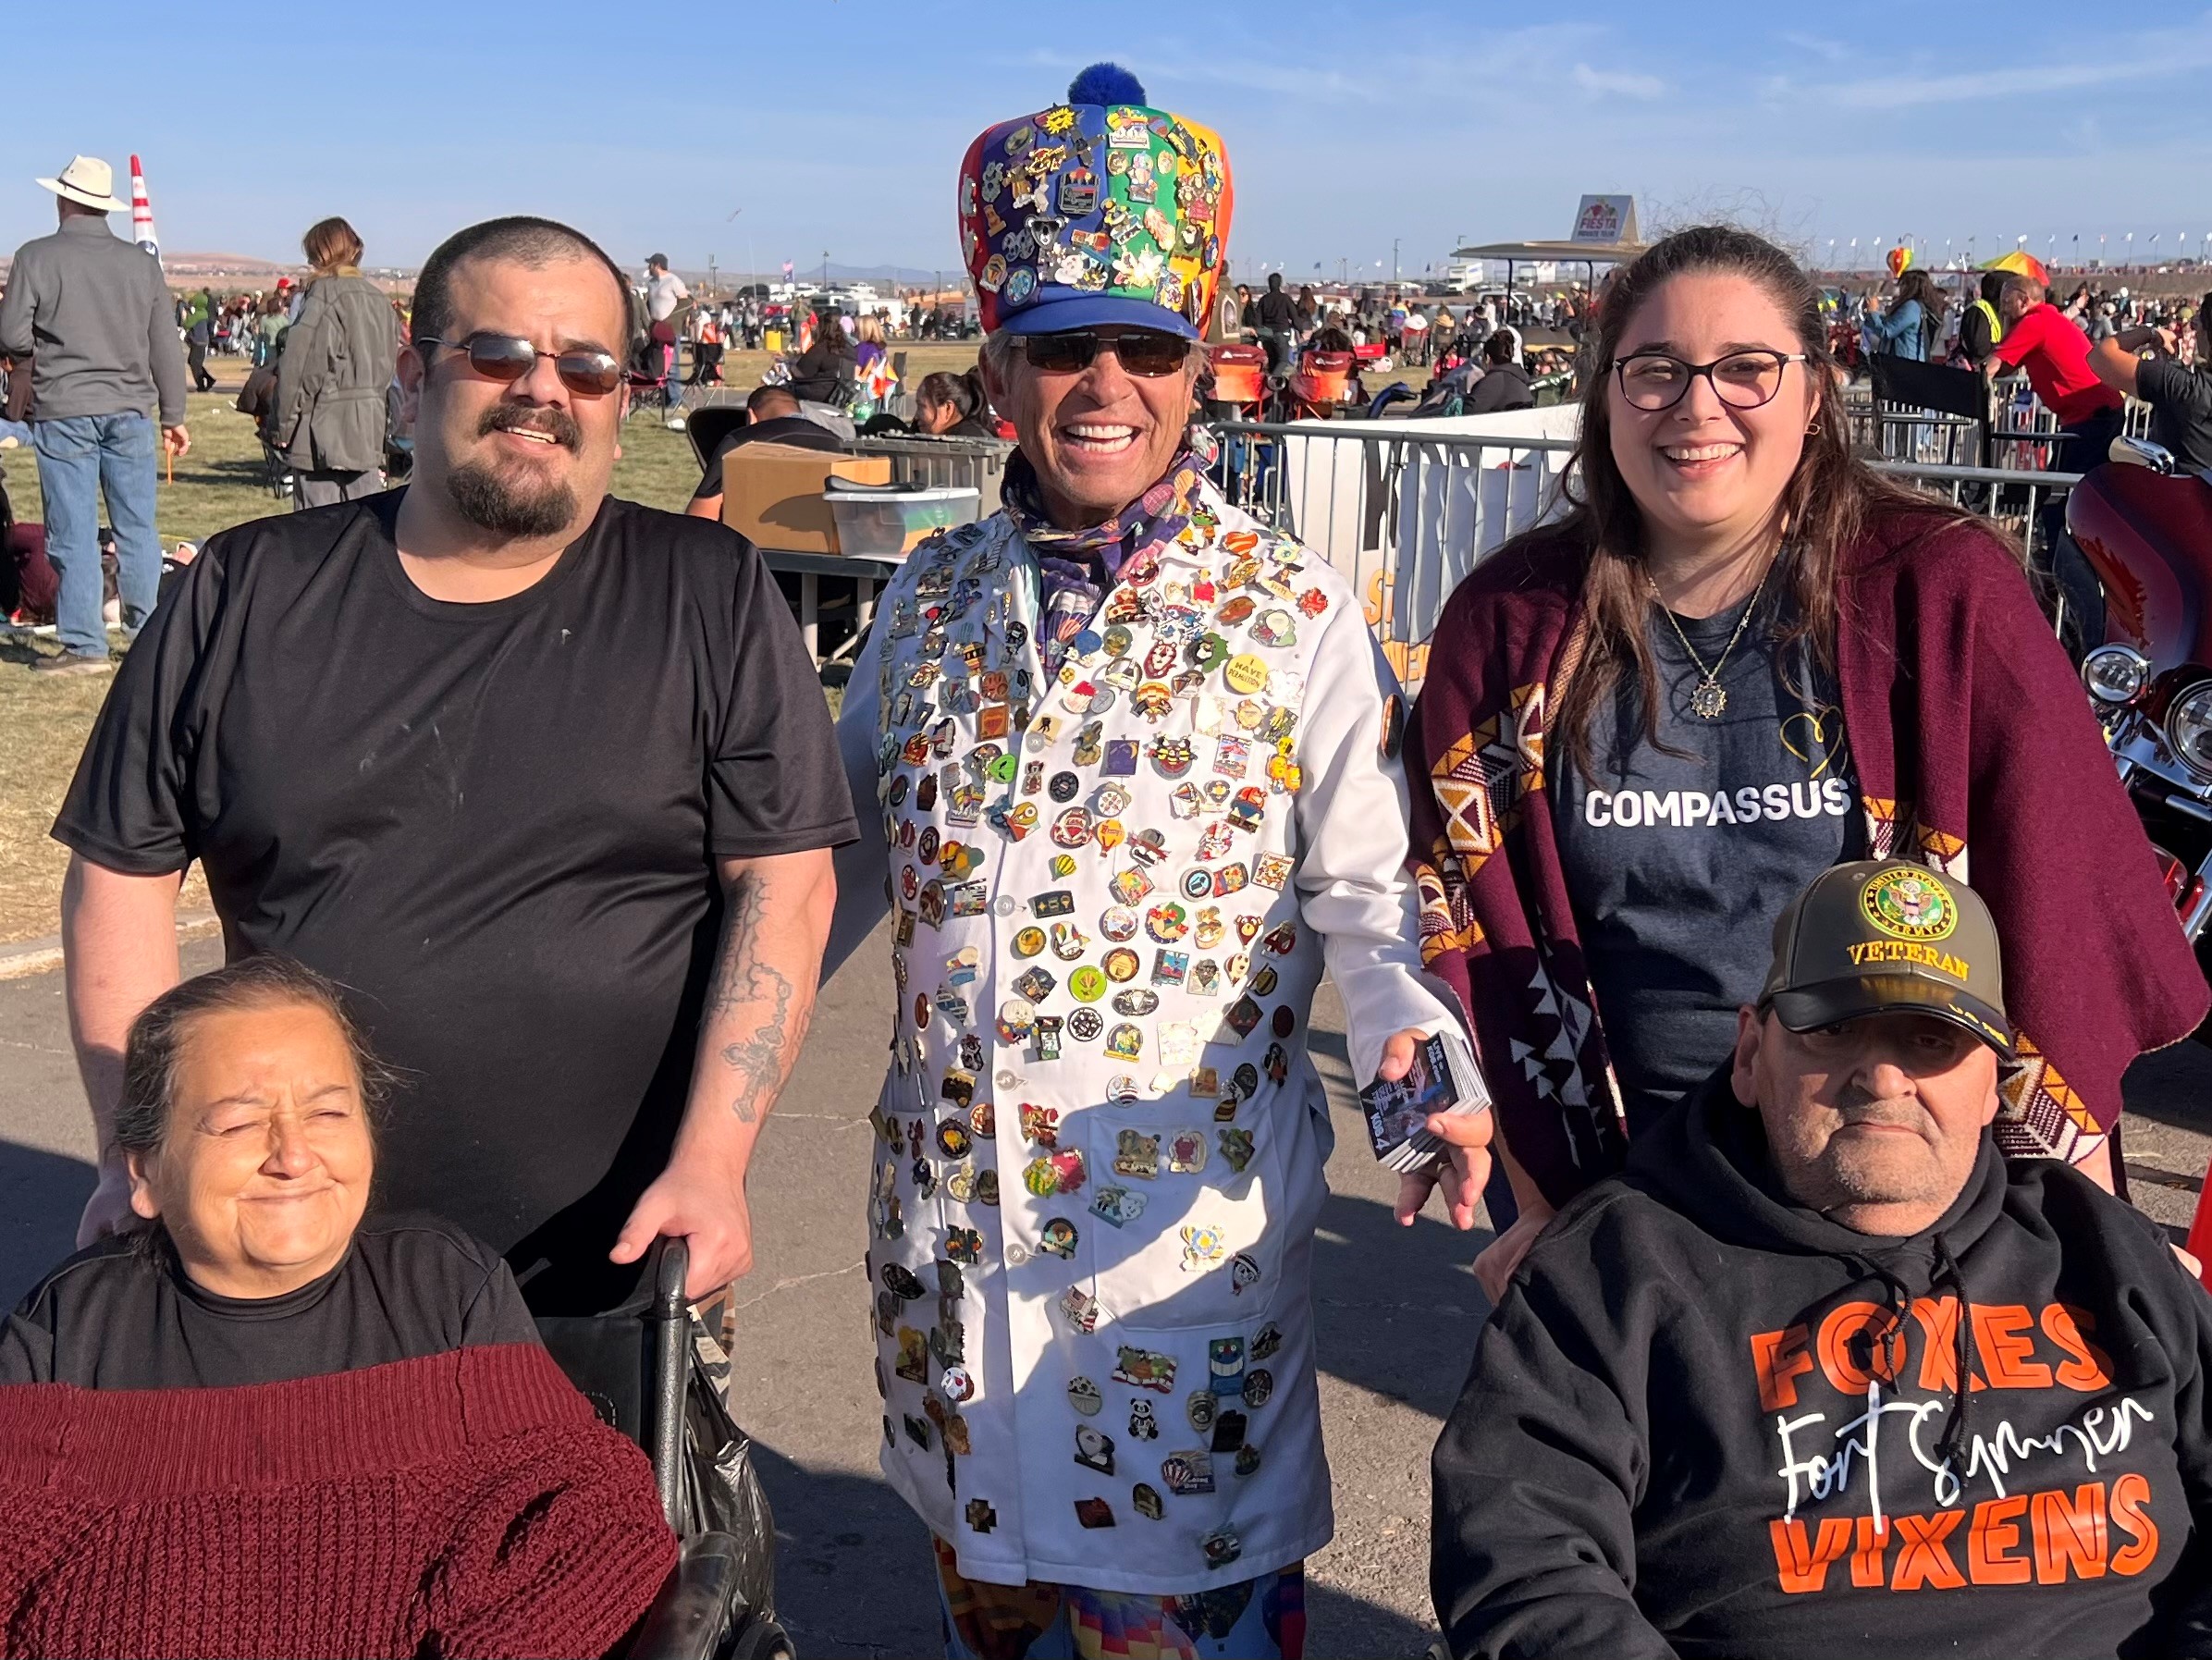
point(141, 212)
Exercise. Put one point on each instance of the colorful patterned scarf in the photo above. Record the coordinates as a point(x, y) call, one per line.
point(1079, 565)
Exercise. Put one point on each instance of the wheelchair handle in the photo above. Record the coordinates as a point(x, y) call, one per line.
point(670, 1319)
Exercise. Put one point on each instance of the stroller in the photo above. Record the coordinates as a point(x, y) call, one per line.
point(641, 1369)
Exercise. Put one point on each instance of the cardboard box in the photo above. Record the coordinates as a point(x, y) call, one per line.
point(772, 493)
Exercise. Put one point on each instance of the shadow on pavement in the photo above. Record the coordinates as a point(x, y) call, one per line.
point(855, 1579)
point(2172, 1086)
point(854, 1575)
point(41, 1195)
point(1397, 1309)
point(1337, 1624)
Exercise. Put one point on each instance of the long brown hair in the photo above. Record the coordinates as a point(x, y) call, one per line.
point(331, 245)
point(1828, 501)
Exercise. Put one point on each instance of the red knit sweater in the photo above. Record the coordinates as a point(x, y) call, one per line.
point(465, 1504)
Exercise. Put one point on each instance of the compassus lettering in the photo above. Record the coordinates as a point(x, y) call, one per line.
point(2069, 1534)
point(1688, 809)
point(1855, 1343)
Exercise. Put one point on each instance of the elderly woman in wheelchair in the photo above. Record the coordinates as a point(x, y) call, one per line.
point(264, 1425)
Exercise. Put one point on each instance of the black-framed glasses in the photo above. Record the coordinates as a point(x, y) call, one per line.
point(1142, 352)
point(507, 358)
point(1652, 381)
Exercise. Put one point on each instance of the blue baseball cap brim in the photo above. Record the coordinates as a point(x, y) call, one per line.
point(1055, 309)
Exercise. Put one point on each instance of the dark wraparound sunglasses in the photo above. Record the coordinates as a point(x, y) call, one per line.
point(1144, 351)
point(507, 358)
point(1744, 380)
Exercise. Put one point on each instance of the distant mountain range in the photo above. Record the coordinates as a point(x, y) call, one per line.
point(257, 272)
point(226, 264)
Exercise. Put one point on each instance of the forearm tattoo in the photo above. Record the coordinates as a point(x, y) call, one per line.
point(746, 980)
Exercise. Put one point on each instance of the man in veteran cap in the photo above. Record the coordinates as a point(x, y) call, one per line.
point(1822, 1345)
point(1135, 760)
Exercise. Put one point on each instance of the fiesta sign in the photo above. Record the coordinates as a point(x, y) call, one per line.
point(1605, 219)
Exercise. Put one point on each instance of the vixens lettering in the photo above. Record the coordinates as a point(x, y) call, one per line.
point(2083, 1531)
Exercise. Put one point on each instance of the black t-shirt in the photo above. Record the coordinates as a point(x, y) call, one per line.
point(1502, 387)
point(1277, 310)
point(1679, 865)
point(498, 825)
point(2180, 401)
point(823, 367)
point(796, 431)
point(125, 1315)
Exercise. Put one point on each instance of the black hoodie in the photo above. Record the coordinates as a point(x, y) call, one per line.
point(1662, 1447)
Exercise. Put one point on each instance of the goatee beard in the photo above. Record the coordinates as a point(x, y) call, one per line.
point(506, 508)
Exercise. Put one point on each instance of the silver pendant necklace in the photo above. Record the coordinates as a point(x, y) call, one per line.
point(1709, 698)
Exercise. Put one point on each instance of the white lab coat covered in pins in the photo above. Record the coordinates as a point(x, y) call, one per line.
point(1099, 1144)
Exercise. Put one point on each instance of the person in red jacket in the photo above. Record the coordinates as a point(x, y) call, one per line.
point(267, 1425)
point(2056, 354)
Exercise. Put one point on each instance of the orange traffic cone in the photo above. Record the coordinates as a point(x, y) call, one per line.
point(141, 212)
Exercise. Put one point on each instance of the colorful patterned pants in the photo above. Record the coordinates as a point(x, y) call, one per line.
point(1259, 1619)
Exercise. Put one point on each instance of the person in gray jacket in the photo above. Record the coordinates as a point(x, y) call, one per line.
point(96, 312)
point(339, 358)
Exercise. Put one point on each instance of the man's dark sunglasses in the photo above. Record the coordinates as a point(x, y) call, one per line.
point(507, 358)
point(1141, 352)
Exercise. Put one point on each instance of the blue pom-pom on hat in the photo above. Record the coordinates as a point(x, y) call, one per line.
point(1106, 84)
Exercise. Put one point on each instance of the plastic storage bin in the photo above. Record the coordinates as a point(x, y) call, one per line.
point(887, 523)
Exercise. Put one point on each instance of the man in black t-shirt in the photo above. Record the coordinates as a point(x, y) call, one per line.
point(771, 417)
point(2180, 394)
point(543, 778)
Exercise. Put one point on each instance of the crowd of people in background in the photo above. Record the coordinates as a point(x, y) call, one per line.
point(427, 742)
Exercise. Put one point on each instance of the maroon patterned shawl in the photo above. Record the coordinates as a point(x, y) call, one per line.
point(1970, 733)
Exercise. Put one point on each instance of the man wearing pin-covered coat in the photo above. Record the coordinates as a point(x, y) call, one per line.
point(1132, 761)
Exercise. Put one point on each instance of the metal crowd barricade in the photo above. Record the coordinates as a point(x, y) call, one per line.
point(936, 464)
point(1404, 516)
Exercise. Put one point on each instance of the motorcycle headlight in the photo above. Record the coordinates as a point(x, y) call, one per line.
point(2115, 674)
point(2189, 728)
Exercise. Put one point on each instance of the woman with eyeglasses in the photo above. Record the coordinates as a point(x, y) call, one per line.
point(1737, 657)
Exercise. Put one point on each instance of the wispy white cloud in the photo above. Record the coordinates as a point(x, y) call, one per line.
point(1980, 85)
point(2185, 49)
point(1618, 83)
point(1827, 50)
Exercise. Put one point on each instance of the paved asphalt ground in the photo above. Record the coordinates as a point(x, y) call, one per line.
point(1398, 1312)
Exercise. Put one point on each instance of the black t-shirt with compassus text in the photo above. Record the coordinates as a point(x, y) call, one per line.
point(123, 1314)
point(496, 824)
point(1678, 863)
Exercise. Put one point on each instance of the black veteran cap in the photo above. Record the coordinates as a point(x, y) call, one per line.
point(1887, 935)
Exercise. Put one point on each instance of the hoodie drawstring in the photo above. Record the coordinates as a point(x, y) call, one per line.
point(1897, 1301)
point(1963, 1360)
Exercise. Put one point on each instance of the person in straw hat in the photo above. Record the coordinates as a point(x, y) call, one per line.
point(1135, 759)
point(107, 364)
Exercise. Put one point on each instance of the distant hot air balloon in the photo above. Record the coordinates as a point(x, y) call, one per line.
point(1900, 260)
point(141, 212)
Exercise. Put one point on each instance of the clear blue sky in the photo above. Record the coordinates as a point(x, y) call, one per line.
point(1347, 125)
